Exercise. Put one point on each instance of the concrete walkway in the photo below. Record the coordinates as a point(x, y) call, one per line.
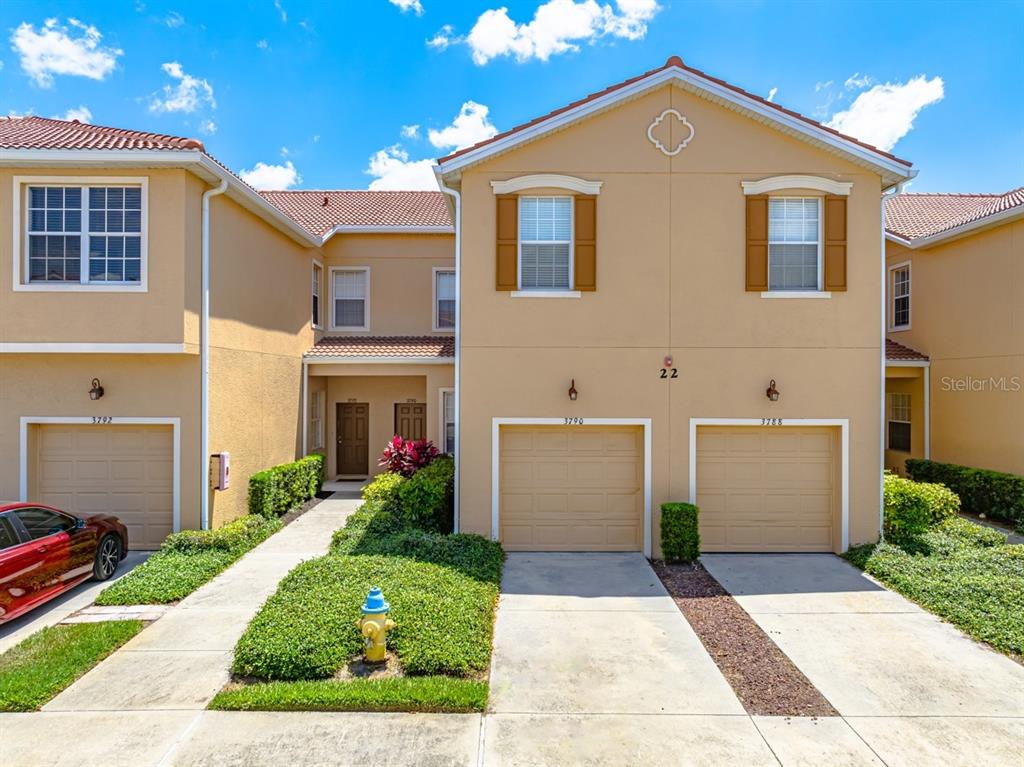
point(913, 688)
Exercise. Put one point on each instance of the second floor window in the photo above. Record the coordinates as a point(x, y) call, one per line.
point(899, 422)
point(545, 243)
point(318, 273)
point(794, 238)
point(444, 296)
point(84, 234)
point(351, 291)
point(900, 288)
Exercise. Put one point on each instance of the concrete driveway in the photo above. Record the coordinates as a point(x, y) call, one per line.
point(914, 688)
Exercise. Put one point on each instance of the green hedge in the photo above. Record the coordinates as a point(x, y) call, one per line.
point(992, 493)
point(427, 497)
point(680, 535)
point(911, 508)
point(277, 490)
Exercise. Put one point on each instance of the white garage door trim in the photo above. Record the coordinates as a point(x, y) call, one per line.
point(497, 423)
point(768, 423)
point(175, 423)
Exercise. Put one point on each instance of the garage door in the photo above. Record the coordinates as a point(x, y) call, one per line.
point(574, 488)
point(771, 488)
point(122, 470)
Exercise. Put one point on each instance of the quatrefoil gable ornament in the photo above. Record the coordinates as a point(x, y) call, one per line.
point(684, 126)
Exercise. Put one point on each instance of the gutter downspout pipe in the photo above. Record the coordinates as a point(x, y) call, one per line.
point(884, 318)
point(204, 364)
point(457, 198)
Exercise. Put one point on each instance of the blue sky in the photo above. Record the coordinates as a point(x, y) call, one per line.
point(315, 94)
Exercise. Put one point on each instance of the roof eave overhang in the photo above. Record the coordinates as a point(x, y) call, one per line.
point(957, 232)
point(324, 359)
point(188, 159)
point(358, 229)
point(891, 171)
point(907, 363)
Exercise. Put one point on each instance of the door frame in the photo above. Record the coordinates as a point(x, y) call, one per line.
point(337, 440)
point(844, 445)
point(394, 416)
point(117, 420)
point(576, 422)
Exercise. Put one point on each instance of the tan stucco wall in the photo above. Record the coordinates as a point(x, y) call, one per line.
point(967, 315)
point(670, 280)
point(401, 274)
point(910, 381)
point(154, 316)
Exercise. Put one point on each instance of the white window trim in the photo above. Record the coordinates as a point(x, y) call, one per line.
point(844, 441)
point(440, 407)
point(20, 249)
point(319, 400)
point(819, 292)
point(497, 423)
point(433, 277)
point(174, 423)
point(323, 273)
point(891, 290)
point(366, 313)
point(546, 181)
point(780, 183)
point(521, 292)
point(890, 420)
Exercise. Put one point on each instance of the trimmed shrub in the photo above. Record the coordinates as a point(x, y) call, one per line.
point(407, 456)
point(680, 535)
point(382, 493)
point(279, 489)
point(244, 532)
point(427, 497)
point(992, 493)
point(907, 512)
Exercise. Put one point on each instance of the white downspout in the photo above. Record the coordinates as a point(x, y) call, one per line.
point(928, 411)
point(204, 364)
point(458, 333)
point(305, 409)
point(883, 317)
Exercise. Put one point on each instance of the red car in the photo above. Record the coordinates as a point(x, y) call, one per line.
point(46, 551)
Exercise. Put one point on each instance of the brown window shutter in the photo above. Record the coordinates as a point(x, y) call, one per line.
point(757, 242)
point(835, 243)
point(585, 264)
point(507, 260)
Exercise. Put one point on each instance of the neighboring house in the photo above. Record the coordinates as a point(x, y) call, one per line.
point(637, 271)
point(955, 321)
point(103, 238)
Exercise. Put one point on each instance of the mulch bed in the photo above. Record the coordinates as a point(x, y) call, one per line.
point(763, 678)
point(298, 511)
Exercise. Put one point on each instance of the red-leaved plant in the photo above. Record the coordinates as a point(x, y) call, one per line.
point(407, 456)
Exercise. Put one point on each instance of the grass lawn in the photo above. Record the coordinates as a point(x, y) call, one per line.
point(961, 572)
point(416, 693)
point(186, 561)
point(35, 670)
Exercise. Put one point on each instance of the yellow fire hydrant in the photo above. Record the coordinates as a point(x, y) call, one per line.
point(375, 625)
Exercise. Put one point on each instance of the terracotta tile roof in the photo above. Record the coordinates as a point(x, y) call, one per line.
point(44, 133)
point(921, 215)
point(673, 61)
point(440, 347)
point(320, 211)
point(899, 353)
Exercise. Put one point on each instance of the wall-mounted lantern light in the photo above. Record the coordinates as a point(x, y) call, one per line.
point(96, 391)
point(572, 390)
point(771, 392)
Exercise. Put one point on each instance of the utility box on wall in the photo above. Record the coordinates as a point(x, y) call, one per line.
point(220, 471)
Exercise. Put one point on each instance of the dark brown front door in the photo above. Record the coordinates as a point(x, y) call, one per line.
point(411, 420)
point(353, 438)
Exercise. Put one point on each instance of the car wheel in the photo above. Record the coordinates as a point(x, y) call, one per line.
point(108, 554)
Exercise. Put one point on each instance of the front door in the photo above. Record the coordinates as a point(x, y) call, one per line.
point(411, 420)
point(353, 428)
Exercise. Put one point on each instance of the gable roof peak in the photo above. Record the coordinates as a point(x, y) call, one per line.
point(674, 61)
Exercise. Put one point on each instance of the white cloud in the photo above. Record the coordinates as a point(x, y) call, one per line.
point(285, 151)
point(409, 5)
point(558, 26)
point(186, 96)
point(392, 169)
point(820, 86)
point(444, 37)
point(771, 94)
point(63, 50)
point(262, 45)
point(209, 127)
point(410, 131)
point(857, 81)
point(884, 114)
point(316, 138)
point(264, 176)
point(281, 10)
point(174, 20)
point(469, 127)
point(82, 114)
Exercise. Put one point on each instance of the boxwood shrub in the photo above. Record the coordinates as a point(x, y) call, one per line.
point(426, 499)
point(680, 535)
point(277, 490)
point(992, 493)
point(911, 508)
